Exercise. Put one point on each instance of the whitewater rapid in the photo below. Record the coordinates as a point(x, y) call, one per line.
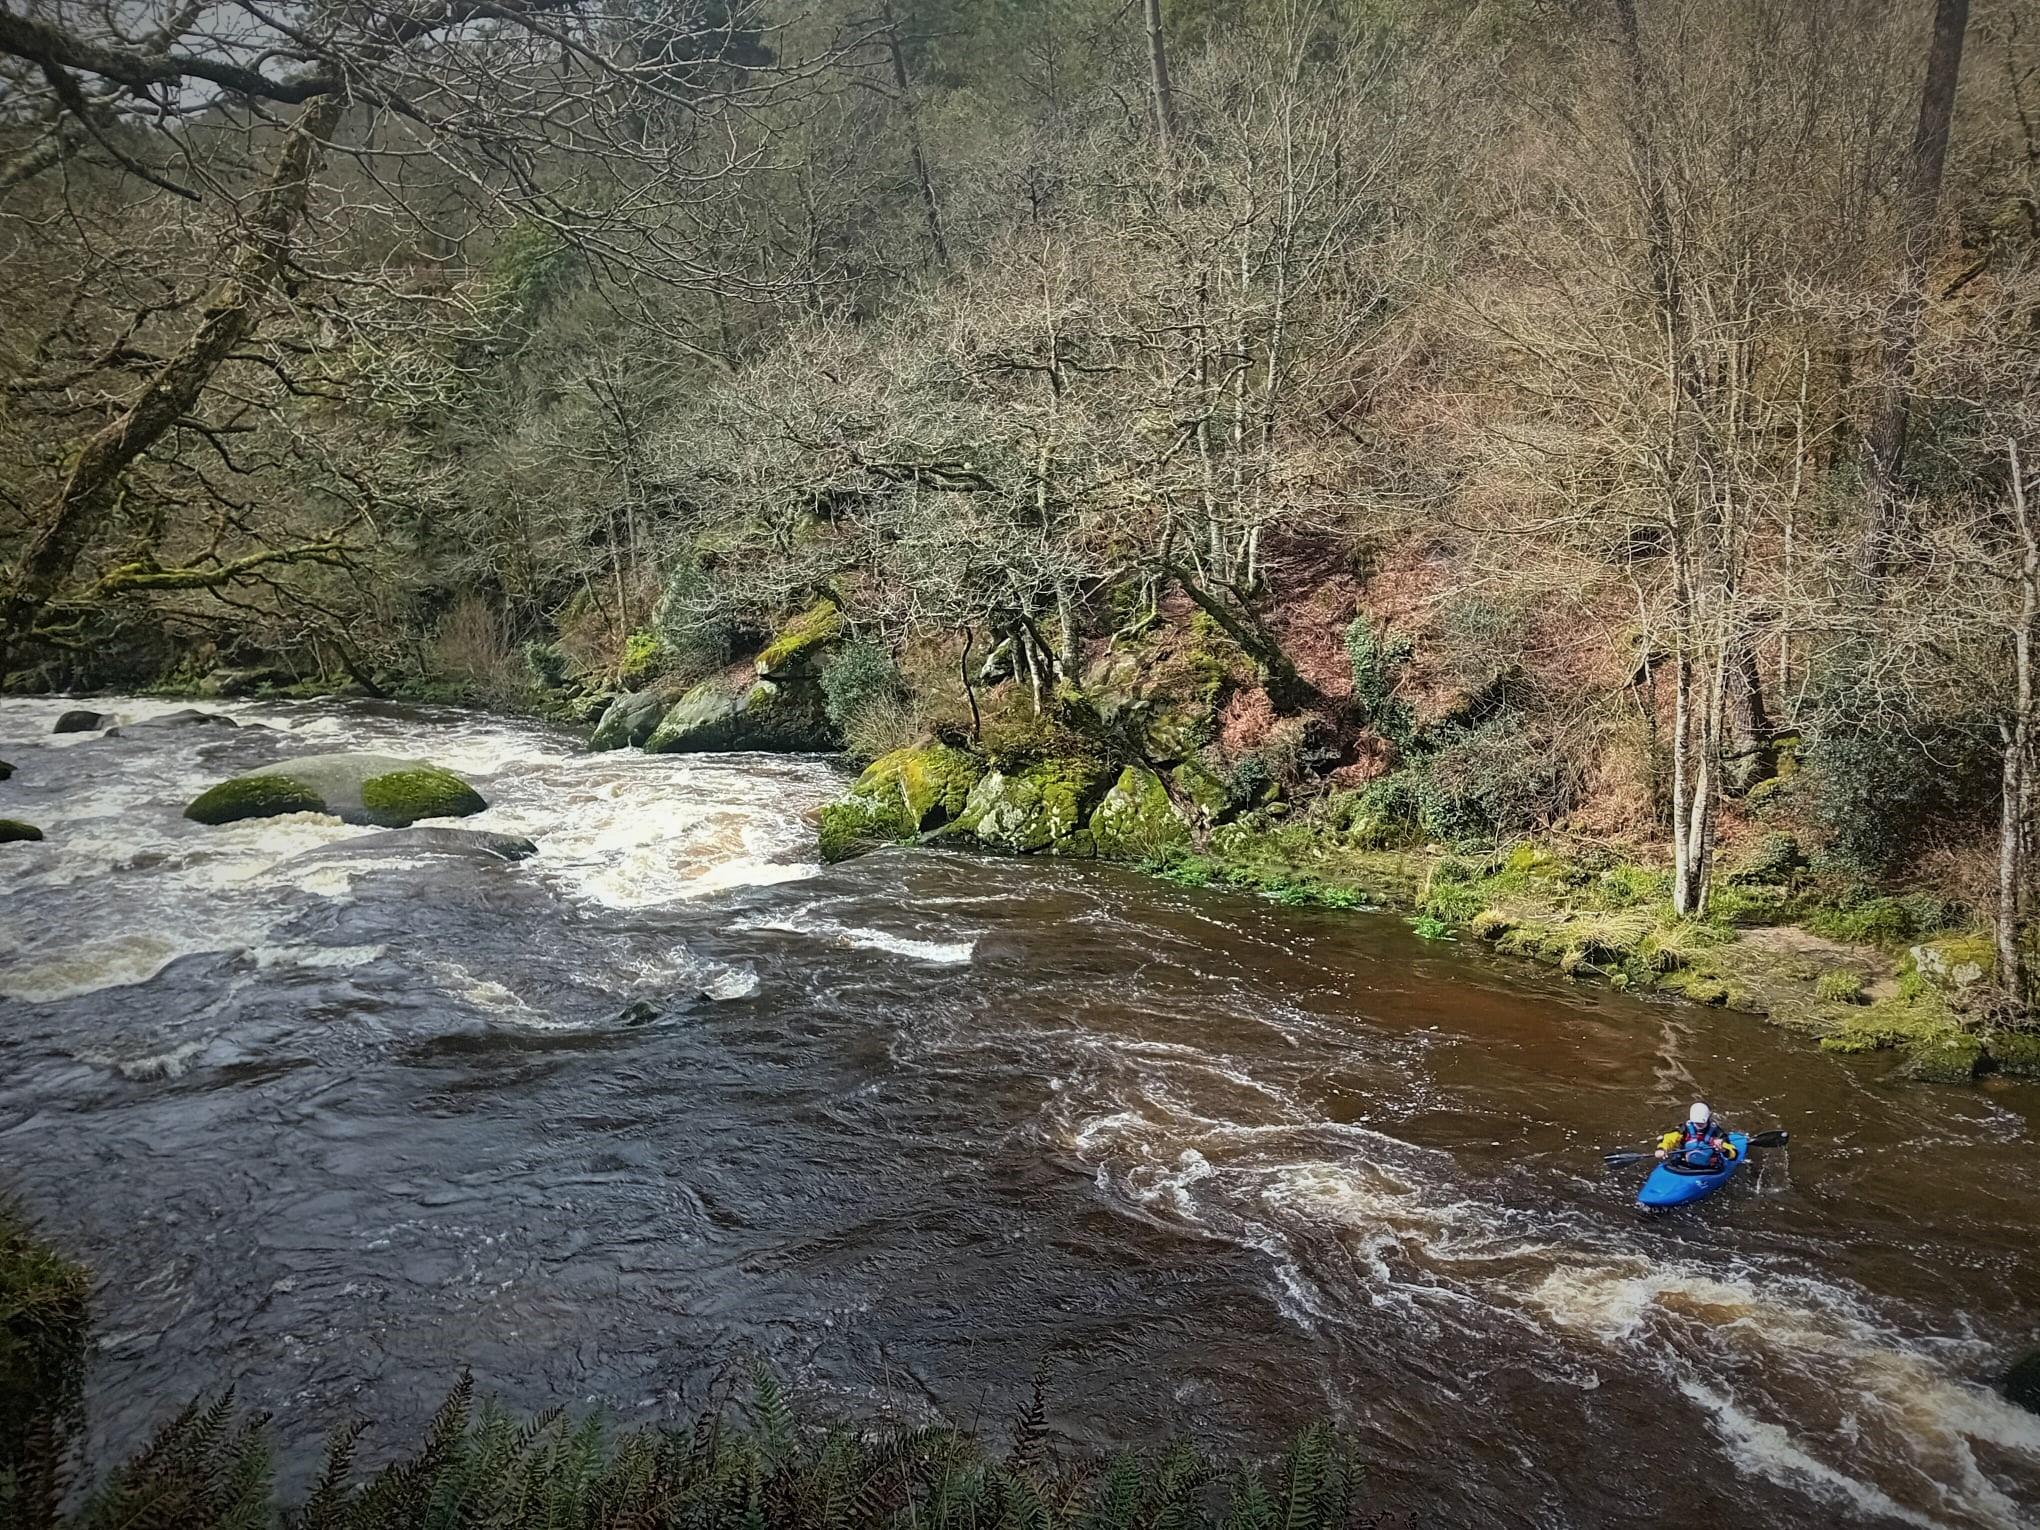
point(335, 1113)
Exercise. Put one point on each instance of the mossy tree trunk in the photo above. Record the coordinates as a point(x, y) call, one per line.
point(91, 489)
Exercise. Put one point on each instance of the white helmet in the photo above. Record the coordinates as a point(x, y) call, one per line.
point(1699, 1115)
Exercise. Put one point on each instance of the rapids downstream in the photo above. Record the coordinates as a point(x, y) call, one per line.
point(332, 1115)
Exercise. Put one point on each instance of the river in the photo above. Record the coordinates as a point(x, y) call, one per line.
point(333, 1115)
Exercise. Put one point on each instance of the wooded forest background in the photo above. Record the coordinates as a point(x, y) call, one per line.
point(1615, 416)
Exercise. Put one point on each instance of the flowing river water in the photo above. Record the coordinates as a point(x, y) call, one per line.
point(333, 1113)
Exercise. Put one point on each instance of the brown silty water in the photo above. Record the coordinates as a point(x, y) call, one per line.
point(334, 1112)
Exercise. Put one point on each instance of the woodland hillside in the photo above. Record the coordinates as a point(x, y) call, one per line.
point(1444, 420)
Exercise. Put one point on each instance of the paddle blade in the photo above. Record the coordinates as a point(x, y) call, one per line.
point(1617, 1160)
point(1770, 1139)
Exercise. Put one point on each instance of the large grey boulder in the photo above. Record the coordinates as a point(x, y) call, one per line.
point(81, 721)
point(765, 714)
point(376, 789)
point(630, 719)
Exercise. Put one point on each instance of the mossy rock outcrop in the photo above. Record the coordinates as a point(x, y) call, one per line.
point(1136, 821)
point(1044, 806)
point(630, 718)
point(1955, 1057)
point(377, 789)
point(796, 650)
point(2014, 1052)
point(1148, 708)
point(785, 716)
point(1955, 964)
point(908, 792)
point(14, 831)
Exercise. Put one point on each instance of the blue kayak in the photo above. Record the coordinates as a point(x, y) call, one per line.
point(1673, 1183)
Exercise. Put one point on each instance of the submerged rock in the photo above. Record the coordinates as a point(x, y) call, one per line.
point(81, 721)
point(6, 770)
point(375, 789)
point(629, 720)
point(441, 841)
point(2021, 1384)
point(190, 717)
point(14, 831)
point(1953, 1058)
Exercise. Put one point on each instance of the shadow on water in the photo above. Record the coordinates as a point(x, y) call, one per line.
point(335, 1116)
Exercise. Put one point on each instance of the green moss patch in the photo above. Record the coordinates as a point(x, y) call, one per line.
point(798, 643)
point(14, 831)
point(253, 797)
point(402, 797)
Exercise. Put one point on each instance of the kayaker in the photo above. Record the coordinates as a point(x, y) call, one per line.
point(1702, 1141)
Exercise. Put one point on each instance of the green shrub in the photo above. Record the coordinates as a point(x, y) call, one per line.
point(1878, 792)
point(644, 657)
point(1839, 985)
point(867, 699)
point(694, 621)
point(1430, 927)
point(44, 1318)
point(1481, 783)
point(1378, 659)
point(547, 664)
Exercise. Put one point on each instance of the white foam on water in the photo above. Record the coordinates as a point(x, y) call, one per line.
point(267, 958)
point(171, 1063)
point(75, 969)
point(816, 926)
point(489, 996)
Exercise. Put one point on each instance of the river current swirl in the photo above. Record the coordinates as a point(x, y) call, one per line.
point(334, 1112)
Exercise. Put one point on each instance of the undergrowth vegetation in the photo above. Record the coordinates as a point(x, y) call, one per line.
point(752, 1459)
point(751, 1462)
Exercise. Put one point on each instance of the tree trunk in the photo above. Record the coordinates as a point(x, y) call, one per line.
point(2016, 733)
point(1288, 690)
point(1919, 197)
point(1158, 70)
point(90, 489)
point(929, 210)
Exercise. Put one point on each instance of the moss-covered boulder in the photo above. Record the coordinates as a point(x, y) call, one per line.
point(14, 831)
point(908, 792)
point(796, 649)
point(927, 786)
point(1955, 964)
point(1044, 806)
point(1953, 1057)
point(784, 716)
point(374, 789)
point(630, 719)
point(1156, 708)
point(81, 721)
point(2014, 1052)
point(1136, 821)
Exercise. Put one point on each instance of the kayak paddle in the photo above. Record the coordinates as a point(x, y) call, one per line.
point(1760, 1140)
